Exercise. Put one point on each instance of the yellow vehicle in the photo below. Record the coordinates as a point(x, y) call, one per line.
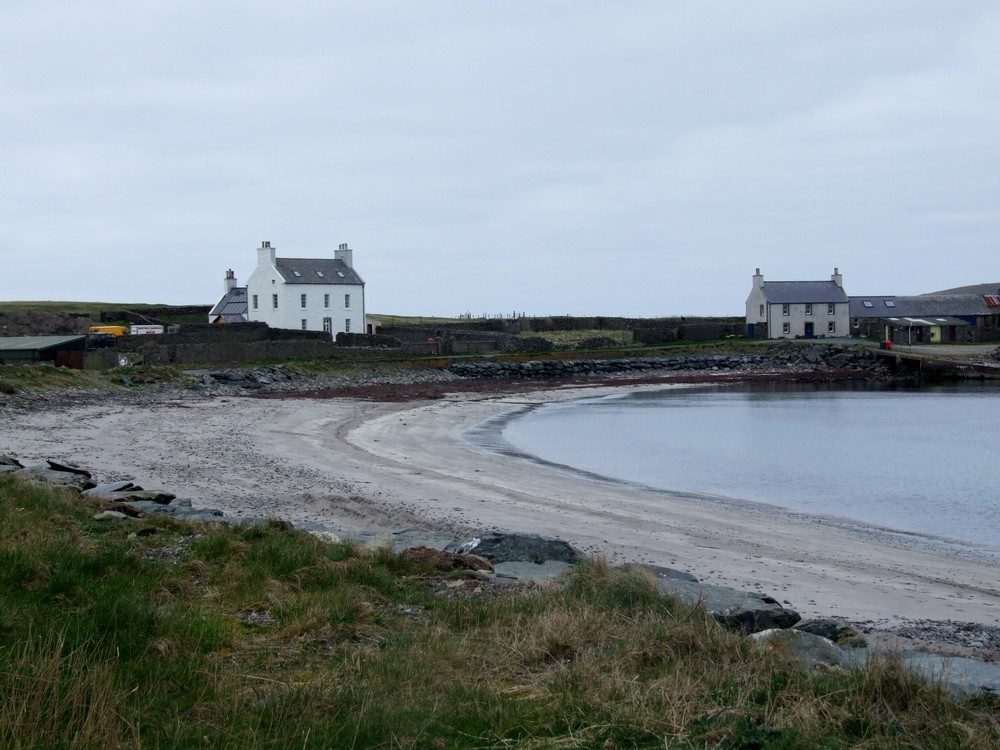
point(113, 330)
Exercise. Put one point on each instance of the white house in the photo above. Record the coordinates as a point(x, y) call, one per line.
point(311, 294)
point(797, 309)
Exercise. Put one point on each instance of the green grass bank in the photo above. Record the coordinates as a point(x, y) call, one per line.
point(152, 633)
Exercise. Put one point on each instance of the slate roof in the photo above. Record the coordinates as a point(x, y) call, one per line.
point(790, 292)
point(993, 288)
point(32, 343)
point(316, 271)
point(233, 307)
point(922, 306)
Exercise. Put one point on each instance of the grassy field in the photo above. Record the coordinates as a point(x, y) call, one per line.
point(155, 633)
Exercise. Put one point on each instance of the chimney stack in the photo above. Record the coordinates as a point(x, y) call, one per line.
point(265, 254)
point(837, 279)
point(758, 280)
point(230, 281)
point(345, 254)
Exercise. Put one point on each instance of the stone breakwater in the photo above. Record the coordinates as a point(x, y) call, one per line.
point(786, 358)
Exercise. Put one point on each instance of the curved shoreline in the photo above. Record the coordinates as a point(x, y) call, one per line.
point(353, 464)
point(488, 435)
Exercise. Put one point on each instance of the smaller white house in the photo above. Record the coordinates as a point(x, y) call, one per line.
point(311, 294)
point(797, 309)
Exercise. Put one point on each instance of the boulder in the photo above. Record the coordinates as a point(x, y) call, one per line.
point(659, 572)
point(68, 466)
point(836, 631)
point(501, 547)
point(745, 611)
point(807, 649)
point(112, 487)
point(445, 561)
point(109, 515)
point(529, 572)
point(135, 496)
point(406, 538)
point(51, 478)
point(960, 676)
point(10, 461)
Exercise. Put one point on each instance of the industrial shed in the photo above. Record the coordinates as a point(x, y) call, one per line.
point(61, 351)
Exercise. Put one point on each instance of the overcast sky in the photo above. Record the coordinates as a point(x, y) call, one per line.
point(558, 157)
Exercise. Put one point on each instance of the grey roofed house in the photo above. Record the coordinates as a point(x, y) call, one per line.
point(793, 292)
point(316, 271)
point(232, 308)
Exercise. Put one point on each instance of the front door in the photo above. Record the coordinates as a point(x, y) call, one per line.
point(809, 330)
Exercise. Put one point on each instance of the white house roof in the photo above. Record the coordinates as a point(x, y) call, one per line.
point(792, 292)
point(316, 271)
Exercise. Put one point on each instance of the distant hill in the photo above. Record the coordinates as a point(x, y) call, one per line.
point(993, 288)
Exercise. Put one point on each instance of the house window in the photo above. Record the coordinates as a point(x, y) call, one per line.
point(302, 300)
point(326, 300)
point(762, 311)
point(831, 327)
point(786, 328)
point(255, 302)
point(786, 309)
point(304, 324)
point(831, 309)
point(274, 301)
point(809, 309)
point(347, 301)
point(328, 325)
point(867, 303)
point(889, 303)
point(347, 325)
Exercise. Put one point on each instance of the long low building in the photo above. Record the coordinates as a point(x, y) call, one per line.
point(946, 318)
point(61, 351)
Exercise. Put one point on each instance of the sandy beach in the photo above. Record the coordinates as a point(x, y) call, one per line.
point(349, 463)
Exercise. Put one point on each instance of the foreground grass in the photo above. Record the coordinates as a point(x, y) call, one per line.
point(156, 633)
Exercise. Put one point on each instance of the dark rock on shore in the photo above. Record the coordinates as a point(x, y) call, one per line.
point(500, 547)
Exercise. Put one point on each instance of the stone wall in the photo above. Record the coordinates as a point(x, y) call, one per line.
point(809, 357)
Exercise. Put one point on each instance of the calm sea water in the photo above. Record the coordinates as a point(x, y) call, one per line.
point(911, 459)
